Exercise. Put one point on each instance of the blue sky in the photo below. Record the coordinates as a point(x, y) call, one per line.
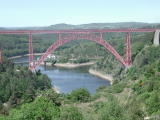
point(48, 12)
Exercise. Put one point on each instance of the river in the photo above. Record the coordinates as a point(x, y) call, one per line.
point(66, 80)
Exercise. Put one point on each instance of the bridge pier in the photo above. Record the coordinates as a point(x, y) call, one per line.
point(30, 51)
point(156, 40)
point(45, 64)
point(128, 56)
point(0, 56)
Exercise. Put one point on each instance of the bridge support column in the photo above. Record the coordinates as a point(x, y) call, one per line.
point(0, 56)
point(30, 52)
point(128, 59)
point(156, 40)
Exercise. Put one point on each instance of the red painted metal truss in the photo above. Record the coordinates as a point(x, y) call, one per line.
point(0, 56)
point(95, 37)
point(66, 36)
point(73, 31)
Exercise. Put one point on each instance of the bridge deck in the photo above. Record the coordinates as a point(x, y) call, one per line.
point(73, 31)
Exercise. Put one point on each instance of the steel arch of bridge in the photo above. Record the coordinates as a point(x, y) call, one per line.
point(63, 39)
point(65, 36)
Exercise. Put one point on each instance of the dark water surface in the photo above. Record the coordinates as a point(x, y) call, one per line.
point(67, 80)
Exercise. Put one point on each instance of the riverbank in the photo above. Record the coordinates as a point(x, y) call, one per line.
point(72, 65)
point(91, 71)
point(19, 56)
point(69, 65)
point(56, 89)
point(101, 75)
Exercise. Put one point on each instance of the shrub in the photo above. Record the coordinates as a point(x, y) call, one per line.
point(117, 88)
point(51, 95)
point(80, 95)
point(111, 110)
point(70, 113)
point(82, 60)
point(153, 103)
point(40, 109)
point(134, 111)
point(63, 60)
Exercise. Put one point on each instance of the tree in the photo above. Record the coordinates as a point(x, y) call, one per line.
point(80, 95)
point(40, 109)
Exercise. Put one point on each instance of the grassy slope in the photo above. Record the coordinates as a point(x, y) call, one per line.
point(137, 92)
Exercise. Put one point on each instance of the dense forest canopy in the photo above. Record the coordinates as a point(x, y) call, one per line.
point(18, 84)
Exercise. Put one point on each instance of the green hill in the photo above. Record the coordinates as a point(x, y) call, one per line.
point(63, 26)
point(134, 95)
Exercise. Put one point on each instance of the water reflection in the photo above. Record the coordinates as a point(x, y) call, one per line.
point(67, 80)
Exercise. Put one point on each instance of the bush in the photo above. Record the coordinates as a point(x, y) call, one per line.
point(111, 110)
point(134, 110)
point(18, 84)
point(101, 88)
point(79, 95)
point(51, 95)
point(144, 96)
point(70, 113)
point(40, 109)
point(2, 117)
point(63, 60)
point(98, 105)
point(82, 60)
point(153, 103)
point(117, 88)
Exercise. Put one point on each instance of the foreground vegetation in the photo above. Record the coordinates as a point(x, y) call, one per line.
point(134, 95)
point(18, 85)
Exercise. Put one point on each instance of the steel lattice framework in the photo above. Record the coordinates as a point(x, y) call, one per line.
point(65, 36)
point(62, 39)
point(0, 56)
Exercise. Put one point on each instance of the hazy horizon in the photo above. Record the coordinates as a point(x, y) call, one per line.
point(30, 13)
point(77, 24)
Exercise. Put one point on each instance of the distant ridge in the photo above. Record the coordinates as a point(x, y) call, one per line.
point(1, 28)
point(64, 26)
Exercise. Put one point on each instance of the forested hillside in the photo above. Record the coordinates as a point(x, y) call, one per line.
point(13, 45)
point(19, 85)
point(64, 26)
point(134, 95)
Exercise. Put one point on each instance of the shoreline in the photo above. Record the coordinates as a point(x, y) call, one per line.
point(19, 56)
point(56, 89)
point(72, 65)
point(101, 75)
point(69, 65)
